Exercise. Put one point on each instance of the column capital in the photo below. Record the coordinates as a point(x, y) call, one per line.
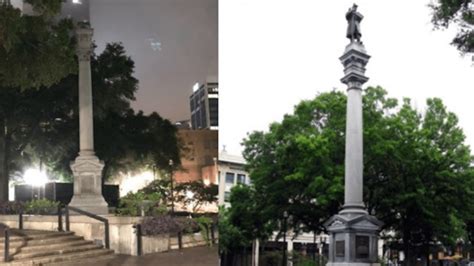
point(84, 42)
point(354, 59)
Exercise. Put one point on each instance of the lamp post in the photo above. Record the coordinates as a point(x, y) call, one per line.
point(216, 171)
point(171, 184)
point(285, 218)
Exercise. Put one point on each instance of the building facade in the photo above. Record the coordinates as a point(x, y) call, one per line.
point(231, 172)
point(204, 103)
point(199, 155)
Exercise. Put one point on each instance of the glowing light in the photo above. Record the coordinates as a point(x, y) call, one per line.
point(189, 194)
point(77, 2)
point(207, 182)
point(35, 177)
point(195, 87)
point(155, 44)
point(134, 183)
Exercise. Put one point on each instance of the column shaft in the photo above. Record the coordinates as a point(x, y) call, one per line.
point(353, 184)
point(86, 124)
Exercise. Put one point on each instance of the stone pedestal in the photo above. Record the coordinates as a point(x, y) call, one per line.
point(87, 168)
point(353, 239)
point(87, 172)
point(353, 232)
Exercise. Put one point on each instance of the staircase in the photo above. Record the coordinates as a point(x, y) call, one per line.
point(35, 247)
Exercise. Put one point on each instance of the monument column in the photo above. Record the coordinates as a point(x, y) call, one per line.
point(353, 232)
point(87, 168)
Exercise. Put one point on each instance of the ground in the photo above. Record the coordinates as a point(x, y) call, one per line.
point(198, 256)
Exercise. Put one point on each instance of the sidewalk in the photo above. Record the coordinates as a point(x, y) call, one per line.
point(198, 256)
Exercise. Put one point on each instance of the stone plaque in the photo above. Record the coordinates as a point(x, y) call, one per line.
point(340, 248)
point(87, 183)
point(362, 247)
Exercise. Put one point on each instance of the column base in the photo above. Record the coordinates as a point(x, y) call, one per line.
point(90, 203)
point(87, 170)
point(353, 238)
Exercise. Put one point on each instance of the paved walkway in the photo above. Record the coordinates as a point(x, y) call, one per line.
point(198, 256)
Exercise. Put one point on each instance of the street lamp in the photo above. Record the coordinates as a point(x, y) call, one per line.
point(171, 183)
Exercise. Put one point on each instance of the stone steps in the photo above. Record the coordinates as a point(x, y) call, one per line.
point(31, 247)
point(62, 259)
point(45, 241)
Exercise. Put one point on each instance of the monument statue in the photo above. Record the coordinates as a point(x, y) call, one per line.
point(353, 29)
point(353, 232)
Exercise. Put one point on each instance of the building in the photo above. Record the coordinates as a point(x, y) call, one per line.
point(204, 103)
point(231, 172)
point(199, 156)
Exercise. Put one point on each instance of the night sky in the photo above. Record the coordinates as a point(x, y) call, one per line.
point(173, 44)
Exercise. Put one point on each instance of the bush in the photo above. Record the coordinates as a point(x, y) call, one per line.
point(205, 225)
point(42, 207)
point(132, 204)
point(187, 225)
point(158, 225)
point(11, 207)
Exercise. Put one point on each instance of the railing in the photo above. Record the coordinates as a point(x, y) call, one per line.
point(138, 233)
point(6, 254)
point(91, 215)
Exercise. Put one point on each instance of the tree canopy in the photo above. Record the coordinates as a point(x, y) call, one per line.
point(460, 13)
point(35, 50)
point(42, 125)
point(418, 177)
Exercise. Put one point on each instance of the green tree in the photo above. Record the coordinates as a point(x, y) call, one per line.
point(461, 13)
point(297, 166)
point(418, 177)
point(243, 222)
point(35, 50)
point(422, 186)
point(201, 194)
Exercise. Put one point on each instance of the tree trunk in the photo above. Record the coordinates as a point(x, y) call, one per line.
point(3, 164)
point(427, 254)
point(406, 250)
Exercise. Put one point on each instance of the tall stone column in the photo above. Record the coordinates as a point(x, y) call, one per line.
point(87, 168)
point(353, 232)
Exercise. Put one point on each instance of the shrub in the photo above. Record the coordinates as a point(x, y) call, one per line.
point(41, 206)
point(158, 225)
point(11, 207)
point(187, 225)
point(205, 225)
point(132, 204)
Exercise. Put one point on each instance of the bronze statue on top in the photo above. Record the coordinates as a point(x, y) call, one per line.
point(353, 29)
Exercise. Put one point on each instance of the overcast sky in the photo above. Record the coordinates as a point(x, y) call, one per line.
point(275, 53)
point(173, 44)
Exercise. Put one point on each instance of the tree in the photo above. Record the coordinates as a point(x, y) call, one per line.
point(42, 125)
point(243, 222)
point(201, 194)
point(422, 186)
point(461, 13)
point(124, 139)
point(35, 50)
point(297, 166)
point(417, 170)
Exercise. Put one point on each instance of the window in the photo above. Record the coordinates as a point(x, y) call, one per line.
point(240, 179)
point(226, 196)
point(229, 178)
